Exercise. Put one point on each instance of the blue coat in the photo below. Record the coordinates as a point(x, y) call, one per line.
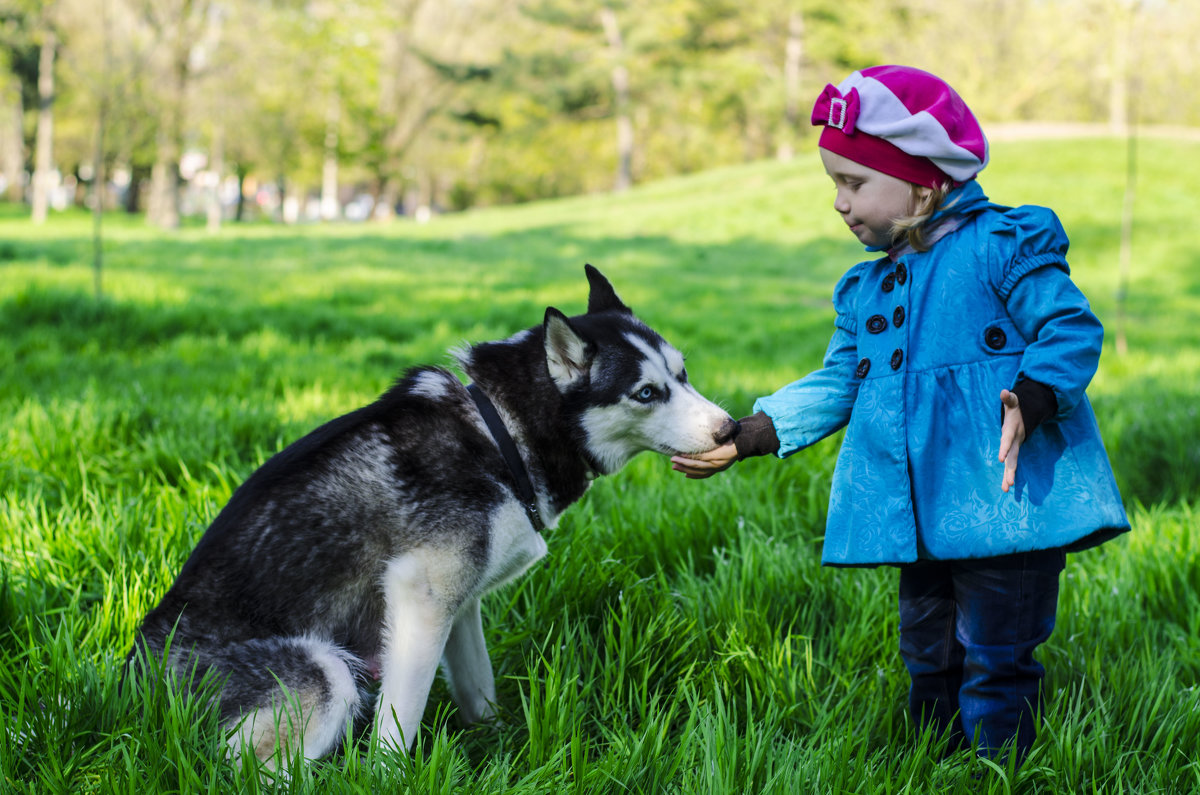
point(922, 348)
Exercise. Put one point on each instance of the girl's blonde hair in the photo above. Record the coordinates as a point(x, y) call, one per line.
point(921, 206)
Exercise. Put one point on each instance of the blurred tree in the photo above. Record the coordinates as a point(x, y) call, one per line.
point(176, 26)
point(410, 93)
point(436, 59)
point(701, 82)
point(19, 58)
point(426, 103)
point(793, 62)
point(260, 104)
point(45, 36)
point(603, 55)
point(1066, 60)
point(12, 138)
point(102, 78)
point(620, 88)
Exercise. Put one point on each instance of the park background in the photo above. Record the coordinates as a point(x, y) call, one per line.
point(231, 221)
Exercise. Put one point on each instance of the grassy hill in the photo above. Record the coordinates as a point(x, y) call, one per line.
point(682, 636)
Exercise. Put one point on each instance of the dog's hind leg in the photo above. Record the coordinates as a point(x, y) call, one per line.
point(468, 668)
point(289, 694)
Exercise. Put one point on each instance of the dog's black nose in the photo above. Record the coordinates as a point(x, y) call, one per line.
point(726, 433)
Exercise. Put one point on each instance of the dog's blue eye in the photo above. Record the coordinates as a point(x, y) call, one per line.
point(646, 394)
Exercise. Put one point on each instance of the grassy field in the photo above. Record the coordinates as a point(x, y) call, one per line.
point(681, 636)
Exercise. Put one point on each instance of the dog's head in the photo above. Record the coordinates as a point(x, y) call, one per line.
point(624, 386)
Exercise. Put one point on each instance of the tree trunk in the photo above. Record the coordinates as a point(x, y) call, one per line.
point(98, 179)
point(213, 192)
point(793, 56)
point(386, 198)
point(133, 194)
point(1124, 101)
point(1118, 87)
point(164, 176)
point(163, 210)
point(1126, 251)
point(99, 158)
point(12, 141)
point(330, 207)
point(289, 206)
point(44, 152)
point(239, 214)
point(620, 82)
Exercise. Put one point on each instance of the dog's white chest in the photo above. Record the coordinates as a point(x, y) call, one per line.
point(514, 545)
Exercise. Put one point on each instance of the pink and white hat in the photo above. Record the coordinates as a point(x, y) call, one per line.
point(904, 122)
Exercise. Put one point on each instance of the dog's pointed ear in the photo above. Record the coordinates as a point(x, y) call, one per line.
point(568, 354)
point(602, 297)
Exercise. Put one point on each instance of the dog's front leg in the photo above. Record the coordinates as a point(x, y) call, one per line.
point(468, 669)
point(418, 623)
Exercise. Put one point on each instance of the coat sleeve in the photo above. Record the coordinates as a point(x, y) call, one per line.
point(808, 410)
point(1063, 336)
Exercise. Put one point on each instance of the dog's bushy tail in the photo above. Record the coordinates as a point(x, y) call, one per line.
point(277, 694)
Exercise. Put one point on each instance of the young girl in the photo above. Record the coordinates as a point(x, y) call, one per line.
point(964, 345)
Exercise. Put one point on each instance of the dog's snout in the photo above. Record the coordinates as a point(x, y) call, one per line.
point(726, 432)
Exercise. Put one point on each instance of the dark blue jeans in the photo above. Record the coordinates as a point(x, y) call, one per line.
point(968, 629)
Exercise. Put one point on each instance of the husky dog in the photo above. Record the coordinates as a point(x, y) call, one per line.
point(361, 551)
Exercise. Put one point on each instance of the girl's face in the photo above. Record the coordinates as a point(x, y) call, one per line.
point(869, 201)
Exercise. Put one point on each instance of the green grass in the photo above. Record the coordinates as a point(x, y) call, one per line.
point(681, 636)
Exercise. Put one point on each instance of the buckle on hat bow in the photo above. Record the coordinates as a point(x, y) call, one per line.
point(835, 110)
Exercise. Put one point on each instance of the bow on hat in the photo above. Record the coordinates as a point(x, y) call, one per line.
point(836, 110)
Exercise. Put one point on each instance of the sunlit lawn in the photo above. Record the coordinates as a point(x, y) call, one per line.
point(681, 635)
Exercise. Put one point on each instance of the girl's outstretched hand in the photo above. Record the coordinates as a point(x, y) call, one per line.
point(1012, 433)
point(705, 465)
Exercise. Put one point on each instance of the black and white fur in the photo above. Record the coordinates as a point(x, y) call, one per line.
point(361, 551)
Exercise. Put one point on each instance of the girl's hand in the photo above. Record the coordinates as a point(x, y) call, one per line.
point(1012, 433)
point(705, 465)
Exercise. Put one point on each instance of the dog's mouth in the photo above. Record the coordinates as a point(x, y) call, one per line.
point(671, 452)
point(724, 439)
point(722, 436)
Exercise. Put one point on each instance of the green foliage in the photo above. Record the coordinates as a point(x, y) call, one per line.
point(682, 635)
point(457, 104)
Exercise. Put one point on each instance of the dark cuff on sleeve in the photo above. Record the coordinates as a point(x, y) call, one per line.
point(756, 436)
point(1037, 403)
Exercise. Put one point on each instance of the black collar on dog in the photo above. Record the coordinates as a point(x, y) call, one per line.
point(508, 449)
